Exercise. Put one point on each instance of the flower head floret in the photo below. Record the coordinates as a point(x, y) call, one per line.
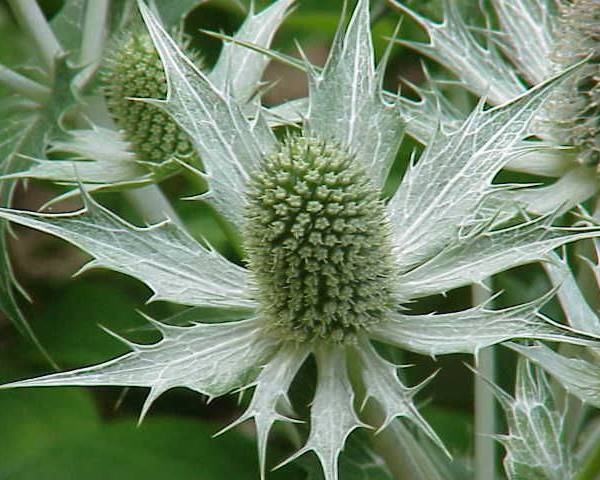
point(315, 224)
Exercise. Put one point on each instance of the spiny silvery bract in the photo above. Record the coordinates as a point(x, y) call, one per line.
point(536, 38)
point(131, 70)
point(579, 376)
point(314, 252)
point(138, 144)
point(536, 444)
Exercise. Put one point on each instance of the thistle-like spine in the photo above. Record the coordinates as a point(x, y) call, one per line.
point(576, 110)
point(133, 69)
point(317, 239)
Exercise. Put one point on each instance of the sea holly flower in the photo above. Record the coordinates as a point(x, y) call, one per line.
point(536, 38)
point(536, 444)
point(139, 144)
point(330, 267)
point(41, 113)
point(132, 69)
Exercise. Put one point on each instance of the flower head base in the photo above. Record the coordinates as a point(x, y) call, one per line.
point(318, 242)
point(577, 112)
point(133, 70)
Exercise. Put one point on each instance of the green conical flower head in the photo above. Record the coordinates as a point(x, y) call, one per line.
point(133, 70)
point(578, 111)
point(318, 243)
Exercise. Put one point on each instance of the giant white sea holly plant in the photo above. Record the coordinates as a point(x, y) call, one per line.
point(330, 267)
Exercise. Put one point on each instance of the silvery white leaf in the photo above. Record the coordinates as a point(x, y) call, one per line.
point(573, 188)
point(578, 312)
point(383, 385)
point(478, 255)
point(332, 415)
point(174, 265)
point(240, 68)
point(454, 174)
point(433, 111)
point(99, 156)
point(272, 385)
point(212, 359)
point(535, 445)
point(347, 103)
point(67, 26)
point(579, 377)
point(20, 132)
point(469, 331)
point(451, 43)
point(546, 160)
point(288, 113)
point(110, 174)
point(220, 132)
point(528, 35)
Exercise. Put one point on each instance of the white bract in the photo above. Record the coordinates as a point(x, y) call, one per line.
point(537, 38)
point(103, 154)
point(579, 376)
point(536, 447)
point(432, 236)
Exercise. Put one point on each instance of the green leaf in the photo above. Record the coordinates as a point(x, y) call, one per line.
point(70, 324)
point(59, 435)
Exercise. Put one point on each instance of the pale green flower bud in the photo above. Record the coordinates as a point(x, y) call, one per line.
point(317, 242)
point(133, 70)
point(577, 111)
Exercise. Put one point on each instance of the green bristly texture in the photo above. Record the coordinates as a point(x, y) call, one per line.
point(578, 112)
point(318, 243)
point(133, 70)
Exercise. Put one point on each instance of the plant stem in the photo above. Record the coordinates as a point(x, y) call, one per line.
point(591, 466)
point(152, 204)
point(32, 19)
point(21, 84)
point(94, 31)
point(485, 415)
point(402, 452)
